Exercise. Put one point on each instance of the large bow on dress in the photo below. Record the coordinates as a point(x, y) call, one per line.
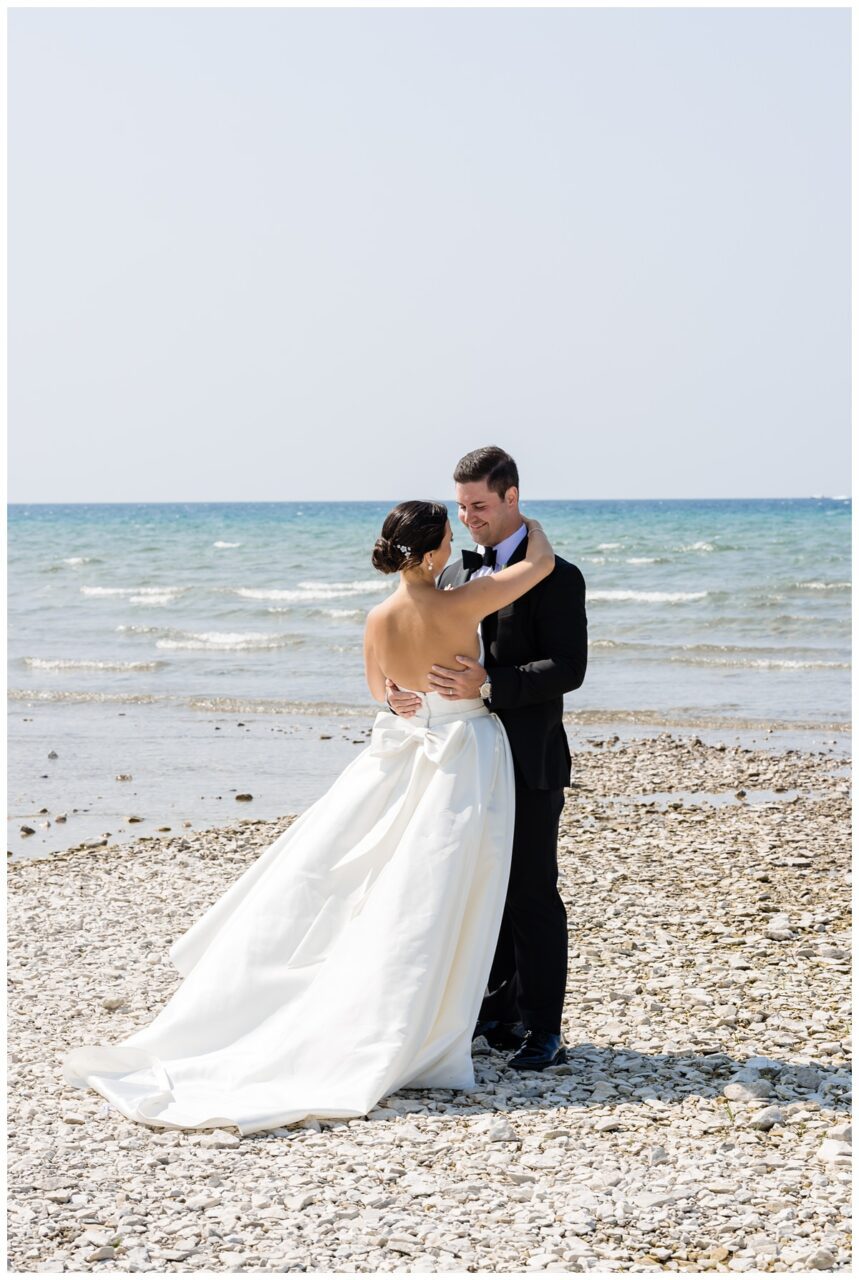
point(440, 742)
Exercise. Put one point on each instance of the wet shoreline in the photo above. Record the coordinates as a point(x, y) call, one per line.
point(114, 765)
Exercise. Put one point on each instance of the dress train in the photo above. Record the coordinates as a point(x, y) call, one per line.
point(350, 959)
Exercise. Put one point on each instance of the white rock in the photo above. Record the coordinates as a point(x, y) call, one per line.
point(501, 1130)
point(779, 933)
point(300, 1201)
point(843, 1132)
point(652, 1199)
point(821, 1260)
point(766, 1118)
point(219, 1138)
point(607, 1124)
point(576, 1246)
point(747, 1090)
point(832, 1151)
point(103, 1254)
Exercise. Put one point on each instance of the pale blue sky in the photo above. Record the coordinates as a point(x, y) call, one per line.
point(296, 254)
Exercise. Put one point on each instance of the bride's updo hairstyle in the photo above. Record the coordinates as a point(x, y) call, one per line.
point(409, 532)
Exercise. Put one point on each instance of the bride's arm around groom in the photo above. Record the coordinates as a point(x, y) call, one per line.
point(536, 651)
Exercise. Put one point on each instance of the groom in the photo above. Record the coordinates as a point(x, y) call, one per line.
point(536, 650)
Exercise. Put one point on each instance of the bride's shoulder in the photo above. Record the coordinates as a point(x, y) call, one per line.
point(451, 597)
point(379, 611)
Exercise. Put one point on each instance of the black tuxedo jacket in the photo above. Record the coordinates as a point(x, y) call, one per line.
point(536, 650)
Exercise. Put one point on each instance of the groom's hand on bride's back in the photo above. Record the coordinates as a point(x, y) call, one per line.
point(401, 702)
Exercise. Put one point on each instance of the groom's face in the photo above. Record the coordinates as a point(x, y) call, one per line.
point(487, 516)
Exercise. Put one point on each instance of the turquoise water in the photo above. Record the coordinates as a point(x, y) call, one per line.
point(695, 608)
point(706, 613)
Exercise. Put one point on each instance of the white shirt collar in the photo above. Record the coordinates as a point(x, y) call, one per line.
point(505, 549)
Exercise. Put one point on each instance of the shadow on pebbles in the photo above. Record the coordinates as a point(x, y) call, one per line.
point(701, 1122)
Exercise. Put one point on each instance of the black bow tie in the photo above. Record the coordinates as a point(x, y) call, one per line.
point(473, 559)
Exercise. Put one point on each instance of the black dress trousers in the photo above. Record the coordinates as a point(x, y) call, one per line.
point(528, 977)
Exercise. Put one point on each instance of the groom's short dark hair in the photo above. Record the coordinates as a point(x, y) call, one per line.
point(491, 464)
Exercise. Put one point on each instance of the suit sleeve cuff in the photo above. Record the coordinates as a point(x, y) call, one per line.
point(502, 680)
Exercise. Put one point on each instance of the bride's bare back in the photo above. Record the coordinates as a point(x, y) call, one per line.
point(419, 626)
point(411, 631)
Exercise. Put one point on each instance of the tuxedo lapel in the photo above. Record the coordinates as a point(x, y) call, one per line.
point(455, 574)
point(519, 552)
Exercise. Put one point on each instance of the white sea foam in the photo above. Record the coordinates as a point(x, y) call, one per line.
point(633, 645)
point(697, 546)
point(85, 664)
point(609, 546)
point(342, 613)
point(719, 654)
point(786, 662)
point(132, 591)
point(225, 640)
point(68, 695)
point(261, 593)
point(78, 560)
point(825, 586)
point(641, 560)
point(153, 599)
point(649, 597)
point(781, 664)
point(226, 544)
point(309, 591)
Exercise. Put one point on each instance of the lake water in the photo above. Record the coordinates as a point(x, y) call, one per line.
point(141, 635)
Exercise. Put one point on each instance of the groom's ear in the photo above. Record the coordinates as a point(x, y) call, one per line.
point(511, 497)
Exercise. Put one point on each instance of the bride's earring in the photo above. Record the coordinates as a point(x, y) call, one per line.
point(429, 564)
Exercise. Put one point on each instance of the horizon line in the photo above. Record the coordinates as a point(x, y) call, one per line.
point(245, 502)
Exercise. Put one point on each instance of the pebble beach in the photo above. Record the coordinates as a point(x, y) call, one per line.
point(701, 1122)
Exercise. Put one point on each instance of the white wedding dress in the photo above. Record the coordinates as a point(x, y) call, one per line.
point(350, 959)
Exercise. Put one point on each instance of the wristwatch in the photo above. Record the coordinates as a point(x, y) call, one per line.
point(485, 689)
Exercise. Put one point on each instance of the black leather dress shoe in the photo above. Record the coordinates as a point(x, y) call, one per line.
point(540, 1049)
point(501, 1035)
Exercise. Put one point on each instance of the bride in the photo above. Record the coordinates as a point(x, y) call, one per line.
point(349, 960)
